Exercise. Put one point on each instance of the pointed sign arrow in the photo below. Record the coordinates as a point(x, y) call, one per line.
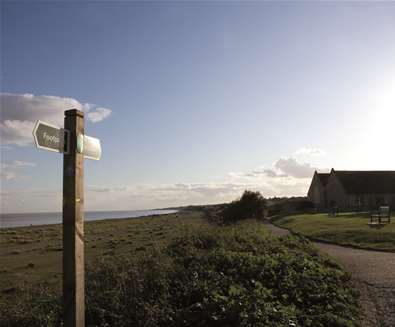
point(52, 138)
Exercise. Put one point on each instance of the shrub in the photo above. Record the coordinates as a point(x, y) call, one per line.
point(32, 307)
point(231, 276)
point(250, 205)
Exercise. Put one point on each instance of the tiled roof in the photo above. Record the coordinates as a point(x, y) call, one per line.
point(365, 182)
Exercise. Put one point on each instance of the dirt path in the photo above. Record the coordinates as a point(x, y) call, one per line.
point(373, 274)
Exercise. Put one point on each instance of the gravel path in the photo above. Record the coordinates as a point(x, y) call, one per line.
point(373, 274)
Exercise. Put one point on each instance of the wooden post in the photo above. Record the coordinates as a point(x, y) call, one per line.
point(73, 223)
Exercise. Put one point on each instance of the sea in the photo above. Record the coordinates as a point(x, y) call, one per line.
point(8, 220)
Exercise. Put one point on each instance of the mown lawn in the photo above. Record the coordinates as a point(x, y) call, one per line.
point(346, 229)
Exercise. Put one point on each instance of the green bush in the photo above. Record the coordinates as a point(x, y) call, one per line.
point(250, 205)
point(231, 276)
point(32, 307)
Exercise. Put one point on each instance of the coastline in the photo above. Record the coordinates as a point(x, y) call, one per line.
point(17, 220)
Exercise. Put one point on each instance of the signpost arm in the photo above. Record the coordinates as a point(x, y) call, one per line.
point(73, 224)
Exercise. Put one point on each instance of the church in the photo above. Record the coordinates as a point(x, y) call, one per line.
point(352, 190)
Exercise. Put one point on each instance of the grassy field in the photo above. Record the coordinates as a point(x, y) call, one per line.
point(176, 270)
point(346, 229)
point(32, 255)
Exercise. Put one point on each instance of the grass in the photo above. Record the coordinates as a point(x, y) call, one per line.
point(32, 255)
point(346, 229)
point(180, 270)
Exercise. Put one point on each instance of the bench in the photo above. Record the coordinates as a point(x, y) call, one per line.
point(333, 212)
point(383, 216)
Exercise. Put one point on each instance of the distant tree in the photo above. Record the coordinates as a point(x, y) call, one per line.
point(250, 205)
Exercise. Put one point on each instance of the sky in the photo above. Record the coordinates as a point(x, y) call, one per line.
point(195, 102)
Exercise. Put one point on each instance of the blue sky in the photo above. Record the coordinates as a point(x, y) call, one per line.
point(194, 102)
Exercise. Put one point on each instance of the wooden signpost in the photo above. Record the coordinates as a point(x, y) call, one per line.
point(75, 146)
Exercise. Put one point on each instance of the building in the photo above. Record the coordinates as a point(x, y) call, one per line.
point(317, 191)
point(352, 189)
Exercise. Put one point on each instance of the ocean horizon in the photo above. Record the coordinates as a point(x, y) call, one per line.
point(9, 220)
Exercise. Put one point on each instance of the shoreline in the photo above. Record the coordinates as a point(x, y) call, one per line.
point(90, 216)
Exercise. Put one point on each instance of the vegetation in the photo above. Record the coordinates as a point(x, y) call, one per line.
point(250, 205)
point(346, 229)
point(32, 255)
point(237, 275)
point(286, 206)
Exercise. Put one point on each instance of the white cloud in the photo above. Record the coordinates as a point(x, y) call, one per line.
point(7, 175)
point(16, 132)
point(286, 177)
point(12, 171)
point(282, 168)
point(273, 173)
point(122, 197)
point(18, 163)
point(253, 174)
point(145, 196)
point(294, 168)
point(99, 114)
point(310, 152)
point(20, 111)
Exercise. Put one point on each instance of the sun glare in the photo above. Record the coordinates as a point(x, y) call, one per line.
point(376, 137)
